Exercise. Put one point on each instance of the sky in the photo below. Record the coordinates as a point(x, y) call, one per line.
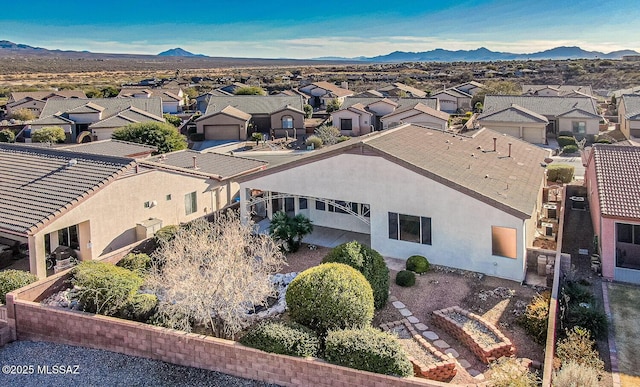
point(322, 28)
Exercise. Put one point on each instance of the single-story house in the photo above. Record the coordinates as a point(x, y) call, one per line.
point(321, 93)
point(453, 100)
point(468, 202)
point(613, 187)
point(558, 90)
point(236, 117)
point(471, 87)
point(96, 204)
point(98, 117)
point(578, 115)
point(398, 89)
point(417, 114)
point(173, 100)
point(35, 100)
point(629, 115)
point(518, 122)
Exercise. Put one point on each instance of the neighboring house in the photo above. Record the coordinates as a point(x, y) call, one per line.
point(35, 100)
point(97, 118)
point(202, 101)
point(620, 92)
point(236, 117)
point(613, 189)
point(578, 115)
point(418, 113)
point(471, 87)
point(369, 94)
point(453, 100)
point(172, 99)
point(321, 93)
point(401, 90)
point(518, 122)
point(361, 115)
point(414, 190)
point(558, 90)
point(629, 115)
point(96, 204)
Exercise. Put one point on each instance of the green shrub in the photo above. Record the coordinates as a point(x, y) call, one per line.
point(367, 349)
point(105, 288)
point(573, 374)
point(256, 136)
point(588, 316)
point(330, 296)
point(52, 134)
point(140, 307)
point(578, 347)
point(139, 263)
point(508, 372)
point(569, 149)
point(418, 264)
point(7, 135)
point(343, 138)
point(603, 140)
point(173, 120)
point(535, 318)
point(368, 262)
point(406, 278)
point(285, 338)
point(561, 172)
point(196, 137)
point(315, 141)
point(11, 280)
point(566, 140)
point(166, 234)
point(577, 293)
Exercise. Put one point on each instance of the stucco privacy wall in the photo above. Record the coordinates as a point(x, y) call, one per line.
point(461, 225)
point(33, 321)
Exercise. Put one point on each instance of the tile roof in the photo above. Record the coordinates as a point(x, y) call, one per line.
point(421, 108)
point(52, 120)
point(337, 90)
point(400, 102)
point(126, 117)
point(417, 93)
point(514, 113)
point(112, 106)
point(212, 165)
point(38, 183)
point(112, 147)
point(253, 104)
point(233, 112)
point(454, 93)
point(562, 89)
point(631, 105)
point(578, 113)
point(546, 106)
point(618, 179)
point(165, 94)
point(42, 95)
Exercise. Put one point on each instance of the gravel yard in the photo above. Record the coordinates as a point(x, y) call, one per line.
point(92, 367)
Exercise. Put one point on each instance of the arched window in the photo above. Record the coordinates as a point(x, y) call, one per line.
point(287, 122)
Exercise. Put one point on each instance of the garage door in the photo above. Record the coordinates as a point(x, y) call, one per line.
point(514, 132)
point(533, 135)
point(222, 132)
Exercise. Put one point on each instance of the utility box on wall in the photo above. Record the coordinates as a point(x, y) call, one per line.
point(147, 228)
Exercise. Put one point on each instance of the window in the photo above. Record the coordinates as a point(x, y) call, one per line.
point(504, 242)
point(302, 203)
point(410, 228)
point(69, 237)
point(346, 124)
point(287, 122)
point(579, 127)
point(628, 233)
point(190, 203)
point(320, 206)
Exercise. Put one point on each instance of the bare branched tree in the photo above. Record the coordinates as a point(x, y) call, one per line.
point(211, 274)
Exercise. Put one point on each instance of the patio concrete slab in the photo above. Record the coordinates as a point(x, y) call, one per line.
point(413, 319)
point(398, 304)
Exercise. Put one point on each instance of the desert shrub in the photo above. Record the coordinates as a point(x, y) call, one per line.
point(7, 135)
point(315, 141)
point(406, 278)
point(196, 137)
point(568, 149)
point(11, 280)
point(173, 120)
point(139, 263)
point(367, 349)
point(23, 115)
point(577, 293)
point(140, 307)
point(256, 136)
point(52, 134)
point(104, 288)
point(418, 264)
point(328, 134)
point(535, 318)
point(164, 136)
point(508, 372)
point(166, 234)
point(285, 338)
point(562, 172)
point(330, 296)
point(573, 374)
point(566, 140)
point(588, 316)
point(343, 138)
point(368, 262)
point(603, 140)
point(579, 347)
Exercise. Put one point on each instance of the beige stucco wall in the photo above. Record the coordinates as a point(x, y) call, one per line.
point(223, 120)
point(276, 119)
point(66, 127)
point(533, 133)
point(110, 216)
point(103, 133)
point(461, 225)
point(566, 124)
point(361, 123)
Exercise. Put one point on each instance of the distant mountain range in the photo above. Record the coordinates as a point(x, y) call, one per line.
point(180, 52)
point(481, 54)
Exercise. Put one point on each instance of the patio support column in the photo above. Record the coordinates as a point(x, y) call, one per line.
point(84, 238)
point(244, 199)
point(296, 205)
point(37, 261)
point(54, 241)
point(269, 206)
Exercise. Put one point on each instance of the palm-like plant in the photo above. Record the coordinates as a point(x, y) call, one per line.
point(290, 230)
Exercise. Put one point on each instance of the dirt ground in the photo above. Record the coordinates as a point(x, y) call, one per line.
point(442, 288)
point(624, 301)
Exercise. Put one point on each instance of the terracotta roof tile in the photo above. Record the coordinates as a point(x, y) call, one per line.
point(618, 178)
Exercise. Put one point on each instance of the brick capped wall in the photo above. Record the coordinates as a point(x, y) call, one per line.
point(33, 321)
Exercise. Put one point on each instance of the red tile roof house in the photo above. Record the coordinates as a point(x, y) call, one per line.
point(613, 188)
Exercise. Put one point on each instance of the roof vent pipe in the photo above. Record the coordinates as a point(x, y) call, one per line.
point(509, 149)
point(494, 143)
point(195, 162)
